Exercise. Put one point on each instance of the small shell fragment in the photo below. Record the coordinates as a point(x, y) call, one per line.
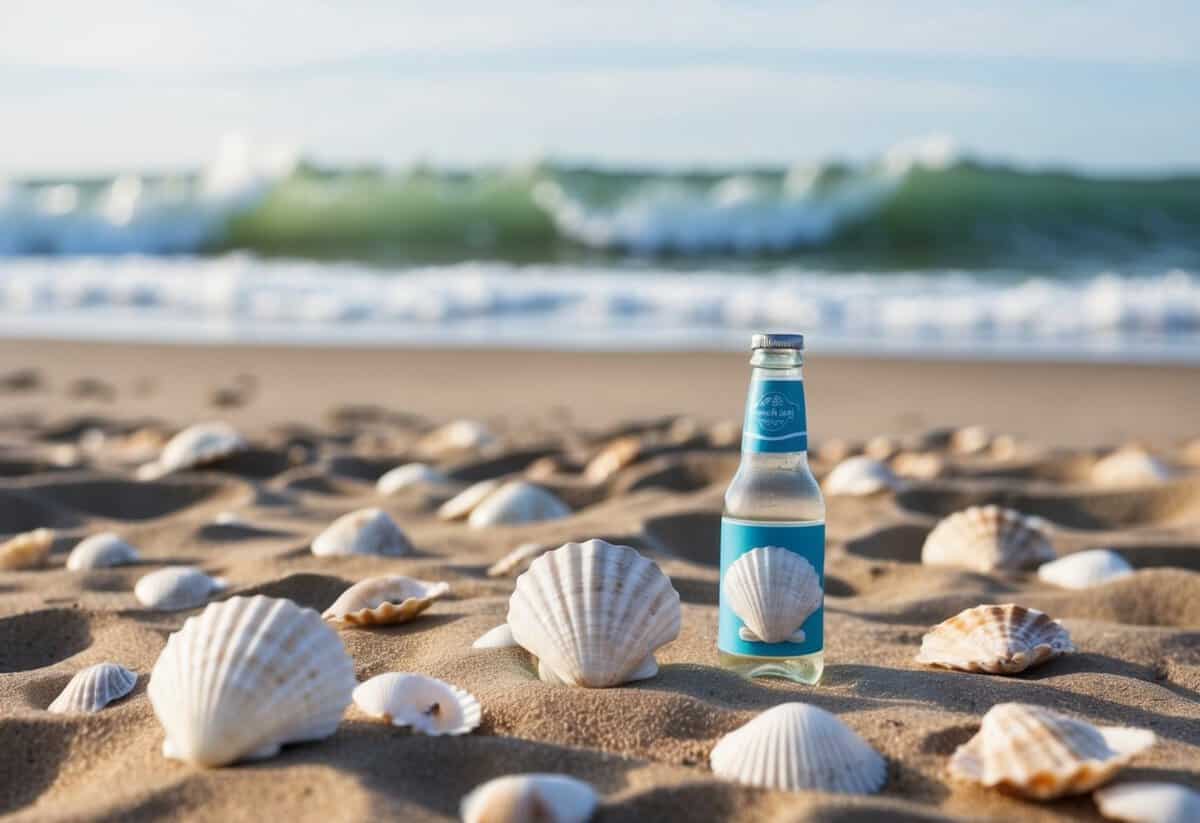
point(1083, 570)
point(410, 474)
point(94, 688)
point(517, 559)
point(379, 601)
point(195, 446)
point(176, 587)
point(530, 798)
point(996, 639)
point(860, 476)
point(27, 550)
point(101, 551)
point(366, 531)
point(1149, 803)
point(428, 705)
point(985, 538)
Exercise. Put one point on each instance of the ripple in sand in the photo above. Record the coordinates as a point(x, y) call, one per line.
point(117, 499)
point(42, 638)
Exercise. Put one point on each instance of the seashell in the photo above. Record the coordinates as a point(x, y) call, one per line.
point(517, 502)
point(366, 531)
point(1041, 754)
point(985, 538)
point(1129, 467)
point(919, 465)
point(378, 601)
point(996, 639)
point(410, 474)
point(515, 559)
point(795, 746)
point(544, 467)
point(881, 448)
point(465, 502)
point(176, 587)
point(1146, 802)
point(247, 676)
point(1191, 452)
point(725, 434)
point(193, 447)
point(772, 591)
point(460, 435)
point(1084, 569)
point(523, 798)
point(228, 518)
point(859, 476)
point(500, 637)
point(26, 550)
point(427, 704)
point(101, 551)
point(970, 440)
point(593, 614)
point(612, 458)
point(1004, 447)
point(94, 688)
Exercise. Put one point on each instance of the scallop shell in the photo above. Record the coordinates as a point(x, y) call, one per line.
point(410, 474)
point(366, 531)
point(176, 587)
point(1041, 754)
point(919, 465)
point(94, 688)
point(463, 503)
point(1149, 803)
point(795, 746)
point(593, 614)
point(247, 676)
point(517, 502)
point(985, 538)
point(459, 435)
point(427, 704)
point(26, 550)
point(193, 447)
point(612, 458)
point(521, 556)
point(1129, 467)
point(859, 476)
point(772, 591)
point(1084, 569)
point(522, 798)
point(996, 639)
point(378, 601)
point(101, 551)
point(971, 440)
point(500, 637)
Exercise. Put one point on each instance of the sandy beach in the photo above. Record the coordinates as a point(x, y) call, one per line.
point(76, 419)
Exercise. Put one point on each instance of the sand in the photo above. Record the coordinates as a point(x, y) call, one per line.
point(325, 424)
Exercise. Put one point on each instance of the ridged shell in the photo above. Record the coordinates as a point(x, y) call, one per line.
point(27, 550)
point(772, 591)
point(459, 435)
point(427, 704)
point(517, 502)
point(516, 559)
point(176, 587)
point(366, 531)
point(247, 676)
point(1041, 754)
point(593, 614)
point(1085, 569)
point(94, 688)
point(612, 458)
point(463, 503)
point(859, 476)
point(410, 474)
point(193, 447)
point(1129, 467)
point(995, 639)
point(1149, 803)
point(500, 637)
point(530, 798)
point(101, 551)
point(795, 746)
point(984, 538)
point(378, 601)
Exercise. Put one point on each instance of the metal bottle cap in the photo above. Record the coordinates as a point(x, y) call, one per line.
point(777, 341)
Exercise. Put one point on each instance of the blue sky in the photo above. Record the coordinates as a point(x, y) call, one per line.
point(134, 84)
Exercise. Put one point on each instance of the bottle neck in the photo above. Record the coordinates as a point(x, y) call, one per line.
point(776, 421)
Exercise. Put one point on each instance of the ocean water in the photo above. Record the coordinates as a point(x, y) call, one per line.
point(921, 252)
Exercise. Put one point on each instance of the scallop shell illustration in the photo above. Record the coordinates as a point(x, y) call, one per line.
point(860, 476)
point(1129, 466)
point(459, 435)
point(795, 746)
point(995, 639)
point(500, 637)
point(410, 474)
point(521, 556)
point(521, 798)
point(463, 503)
point(517, 502)
point(101, 551)
point(984, 538)
point(612, 458)
point(427, 704)
point(176, 587)
point(27, 550)
point(378, 601)
point(1041, 754)
point(1146, 802)
point(1085, 569)
point(247, 676)
point(593, 614)
point(366, 531)
point(772, 591)
point(94, 688)
point(195, 446)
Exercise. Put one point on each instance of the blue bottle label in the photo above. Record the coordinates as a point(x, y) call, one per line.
point(775, 417)
point(772, 588)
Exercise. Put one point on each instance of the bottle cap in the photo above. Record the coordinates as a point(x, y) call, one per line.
point(777, 341)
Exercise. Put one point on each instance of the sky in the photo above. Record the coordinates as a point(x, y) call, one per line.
point(90, 87)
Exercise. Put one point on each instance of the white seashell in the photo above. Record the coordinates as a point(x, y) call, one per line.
point(1129, 467)
point(593, 614)
point(193, 447)
point(176, 587)
point(517, 502)
point(521, 556)
point(526, 798)
point(612, 458)
point(228, 518)
point(971, 440)
point(1004, 447)
point(500, 637)
point(460, 435)
point(1149, 803)
point(996, 639)
point(859, 476)
point(366, 531)
point(1041, 754)
point(985, 538)
point(772, 591)
point(410, 474)
point(919, 465)
point(378, 601)
point(795, 746)
point(247, 676)
point(101, 551)
point(94, 688)
point(881, 448)
point(26, 550)
point(427, 704)
point(1084, 569)
point(465, 501)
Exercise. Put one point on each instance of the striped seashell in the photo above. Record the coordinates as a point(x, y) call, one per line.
point(379, 601)
point(1085, 569)
point(859, 477)
point(996, 639)
point(427, 704)
point(772, 591)
point(101, 551)
point(94, 688)
point(530, 798)
point(366, 531)
point(176, 587)
point(985, 538)
point(194, 447)
point(27, 550)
